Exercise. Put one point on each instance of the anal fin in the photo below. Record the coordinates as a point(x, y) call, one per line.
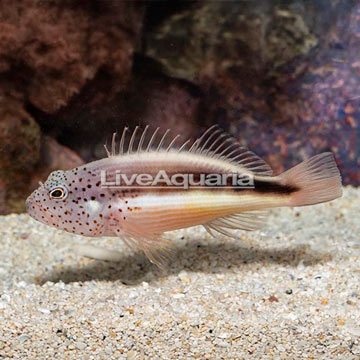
point(247, 220)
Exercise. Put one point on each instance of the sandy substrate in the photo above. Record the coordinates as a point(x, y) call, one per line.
point(290, 291)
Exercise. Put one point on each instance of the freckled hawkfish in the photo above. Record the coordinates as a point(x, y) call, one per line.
point(90, 200)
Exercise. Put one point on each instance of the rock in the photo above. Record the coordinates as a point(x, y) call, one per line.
point(20, 153)
point(215, 36)
point(151, 98)
point(281, 76)
point(27, 156)
point(49, 50)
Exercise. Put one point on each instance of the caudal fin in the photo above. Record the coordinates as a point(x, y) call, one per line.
point(318, 180)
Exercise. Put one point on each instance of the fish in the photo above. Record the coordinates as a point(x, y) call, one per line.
point(212, 181)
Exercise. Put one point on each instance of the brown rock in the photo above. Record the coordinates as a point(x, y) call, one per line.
point(50, 49)
point(20, 152)
point(26, 156)
point(151, 98)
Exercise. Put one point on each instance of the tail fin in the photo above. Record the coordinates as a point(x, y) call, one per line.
point(317, 178)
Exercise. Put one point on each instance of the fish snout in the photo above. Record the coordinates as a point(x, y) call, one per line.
point(29, 204)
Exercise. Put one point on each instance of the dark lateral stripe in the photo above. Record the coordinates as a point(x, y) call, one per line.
point(273, 187)
point(260, 186)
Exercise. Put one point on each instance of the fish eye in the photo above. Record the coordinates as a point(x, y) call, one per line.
point(58, 192)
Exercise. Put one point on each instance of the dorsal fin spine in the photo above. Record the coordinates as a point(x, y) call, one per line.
point(194, 146)
point(172, 143)
point(141, 141)
point(152, 139)
point(221, 145)
point(162, 139)
point(214, 143)
point(122, 141)
point(132, 139)
point(113, 143)
point(183, 145)
point(208, 139)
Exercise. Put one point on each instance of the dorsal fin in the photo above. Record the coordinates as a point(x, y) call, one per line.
point(217, 144)
point(214, 143)
point(156, 142)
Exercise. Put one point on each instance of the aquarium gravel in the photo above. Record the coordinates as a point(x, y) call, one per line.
point(289, 291)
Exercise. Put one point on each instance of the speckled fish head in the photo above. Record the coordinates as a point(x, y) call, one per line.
point(47, 203)
point(62, 202)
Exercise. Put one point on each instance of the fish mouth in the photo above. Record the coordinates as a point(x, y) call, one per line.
point(36, 211)
point(28, 204)
point(31, 207)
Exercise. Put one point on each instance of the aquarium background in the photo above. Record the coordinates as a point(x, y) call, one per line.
point(283, 77)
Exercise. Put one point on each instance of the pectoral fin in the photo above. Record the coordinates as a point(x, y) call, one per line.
point(154, 245)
